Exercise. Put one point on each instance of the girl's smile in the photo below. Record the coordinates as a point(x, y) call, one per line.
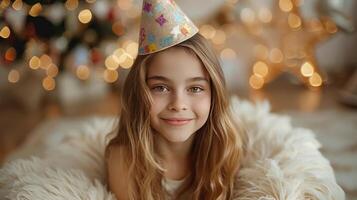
point(177, 121)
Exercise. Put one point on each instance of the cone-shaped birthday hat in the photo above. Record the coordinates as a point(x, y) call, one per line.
point(163, 25)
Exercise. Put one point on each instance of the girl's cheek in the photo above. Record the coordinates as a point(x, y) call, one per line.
point(158, 103)
point(203, 104)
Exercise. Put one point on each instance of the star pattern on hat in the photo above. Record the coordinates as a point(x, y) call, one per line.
point(161, 20)
point(147, 7)
point(176, 31)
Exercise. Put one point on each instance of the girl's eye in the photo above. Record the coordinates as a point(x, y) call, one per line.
point(159, 88)
point(196, 89)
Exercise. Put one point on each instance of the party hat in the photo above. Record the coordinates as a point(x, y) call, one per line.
point(163, 25)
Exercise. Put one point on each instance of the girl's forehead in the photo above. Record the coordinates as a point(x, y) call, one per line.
point(176, 62)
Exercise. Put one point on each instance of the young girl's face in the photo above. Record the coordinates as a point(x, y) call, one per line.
point(181, 92)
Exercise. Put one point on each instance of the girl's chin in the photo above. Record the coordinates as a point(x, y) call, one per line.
point(177, 139)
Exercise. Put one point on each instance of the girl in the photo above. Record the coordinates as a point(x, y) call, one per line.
point(176, 137)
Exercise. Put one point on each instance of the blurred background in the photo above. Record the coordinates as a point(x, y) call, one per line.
point(68, 59)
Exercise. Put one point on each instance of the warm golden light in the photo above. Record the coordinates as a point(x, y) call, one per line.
point(4, 4)
point(5, 32)
point(307, 69)
point(247, 15)
point(52, 70)
point(111, 62)
point(228, 53)
point(71, 4)
point(276, 56)
point(233, 2)
point(265, 15)
point(330, 26)
point(17, 5)
point(132, 49)
point(35, 10)
point(83, 72)
point(13, 76)
point(207, 31)
point(261, 52)
point(49, 83)
point(314, 25)
point(125, 4)
point(10, 54)
point(118, 28)
point(294, 20)
point(45, 61)
point(315, 80)
point(34, 62)
point(260, 69)
point(85, 16)
point(127, 63)
point(285, 5)
point(120, 55)
point(256, 81)
point(298, 2)
point(110, 76)
point(219, 38)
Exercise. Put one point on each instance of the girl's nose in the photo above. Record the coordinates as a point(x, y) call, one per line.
point(177, 103)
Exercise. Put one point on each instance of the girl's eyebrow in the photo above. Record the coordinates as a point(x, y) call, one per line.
point(162, 78)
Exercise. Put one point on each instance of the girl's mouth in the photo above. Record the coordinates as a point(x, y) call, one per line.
point(177, 122)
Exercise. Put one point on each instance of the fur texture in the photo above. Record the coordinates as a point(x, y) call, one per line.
point(281, 163)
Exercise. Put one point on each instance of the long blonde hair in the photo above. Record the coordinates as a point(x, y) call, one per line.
point(217, 146)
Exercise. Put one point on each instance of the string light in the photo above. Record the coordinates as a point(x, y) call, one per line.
point(207, 31)
point(307, 69)
point(34, 62)
point(247, 15)
point(17, 5)
point(125, 4)
point(294, 20)
point(276, 56)
point(261, 52)
point(127, 63)
point(83, 72)
point(228, 53)
point(260, 69)
point(52, 70)
point(132, 49)
point(35, 10)
point(71, 4)
point(330, 27)
point(256, 81)
point(315, 80)
point(4, 4)
point(219, 38)
point(265, 15)
point(110, 76)
point(120, 55)
point(285, 5)
point(118, 28)
point(45, 61)
point(48, 83)
point(13, 76)
point(85, 16)
point(298, 3)
point(5, 32)
point(111, 62)
point(10, 54)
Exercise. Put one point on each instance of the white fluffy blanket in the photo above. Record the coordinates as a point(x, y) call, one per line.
point(64, 160)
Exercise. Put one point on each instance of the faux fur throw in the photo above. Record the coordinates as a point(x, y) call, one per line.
point(282, 162)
